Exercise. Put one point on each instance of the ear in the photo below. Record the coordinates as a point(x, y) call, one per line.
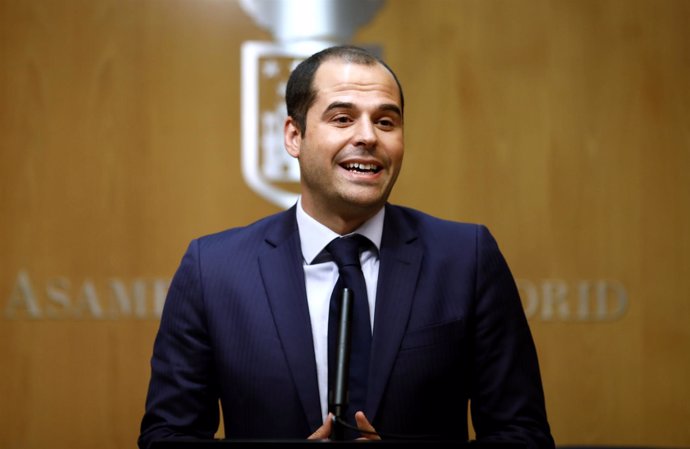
point(292, 136)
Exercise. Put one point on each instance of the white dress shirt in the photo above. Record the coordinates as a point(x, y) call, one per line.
point(320, 279)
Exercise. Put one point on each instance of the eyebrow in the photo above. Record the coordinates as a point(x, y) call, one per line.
point(390, 107)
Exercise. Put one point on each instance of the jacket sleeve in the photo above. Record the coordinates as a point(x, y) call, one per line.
point(182, 399)
point(506, 393)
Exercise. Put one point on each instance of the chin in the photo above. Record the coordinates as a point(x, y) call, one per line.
point(365, 204)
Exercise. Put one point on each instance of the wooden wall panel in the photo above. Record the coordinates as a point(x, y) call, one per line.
point(561, 124)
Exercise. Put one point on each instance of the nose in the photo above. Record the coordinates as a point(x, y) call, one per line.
point(365, 134)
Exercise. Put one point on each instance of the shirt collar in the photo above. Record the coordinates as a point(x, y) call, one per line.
point(314, 236)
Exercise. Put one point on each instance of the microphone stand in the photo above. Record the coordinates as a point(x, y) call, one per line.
point(339, 395)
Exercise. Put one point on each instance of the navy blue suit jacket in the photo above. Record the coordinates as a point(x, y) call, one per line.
point(449, 327)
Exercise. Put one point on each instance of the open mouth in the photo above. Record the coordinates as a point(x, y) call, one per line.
point(357, 167)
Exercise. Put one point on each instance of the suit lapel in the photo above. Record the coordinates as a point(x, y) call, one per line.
point(283, 277)
point(400, 262)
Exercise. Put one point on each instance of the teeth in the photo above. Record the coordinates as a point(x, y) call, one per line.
point(361, 167)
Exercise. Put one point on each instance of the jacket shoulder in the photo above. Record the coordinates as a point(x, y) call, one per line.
point(250, 236)
point(441, 236)
point(425, 222)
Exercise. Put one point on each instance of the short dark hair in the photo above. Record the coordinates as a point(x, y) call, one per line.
point(300, 93)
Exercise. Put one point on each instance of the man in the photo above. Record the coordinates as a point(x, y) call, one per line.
point(246, 320)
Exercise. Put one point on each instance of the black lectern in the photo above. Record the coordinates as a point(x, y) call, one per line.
point(321, 444)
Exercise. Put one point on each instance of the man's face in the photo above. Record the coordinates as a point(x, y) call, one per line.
point(352, 150)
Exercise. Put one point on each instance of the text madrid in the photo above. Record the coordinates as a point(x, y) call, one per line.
point(115, 298)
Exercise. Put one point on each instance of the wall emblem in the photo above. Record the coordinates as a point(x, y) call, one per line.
point(300, 29)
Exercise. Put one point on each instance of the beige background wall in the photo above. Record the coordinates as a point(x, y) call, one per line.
point(563, 125)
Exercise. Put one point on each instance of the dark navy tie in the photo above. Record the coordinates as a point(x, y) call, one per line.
point(345, 252)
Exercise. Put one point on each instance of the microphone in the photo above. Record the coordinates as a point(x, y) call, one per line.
point(339, 395)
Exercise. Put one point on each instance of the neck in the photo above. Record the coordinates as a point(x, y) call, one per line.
point(341, 223)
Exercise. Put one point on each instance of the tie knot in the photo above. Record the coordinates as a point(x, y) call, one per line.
point(345, 250)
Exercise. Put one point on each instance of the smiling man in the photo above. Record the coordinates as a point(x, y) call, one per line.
point(436, 323)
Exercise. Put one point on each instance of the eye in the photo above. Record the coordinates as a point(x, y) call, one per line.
point(386, 123)
point(342, 119)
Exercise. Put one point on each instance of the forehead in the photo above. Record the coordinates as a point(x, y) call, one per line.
point(336, 78)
